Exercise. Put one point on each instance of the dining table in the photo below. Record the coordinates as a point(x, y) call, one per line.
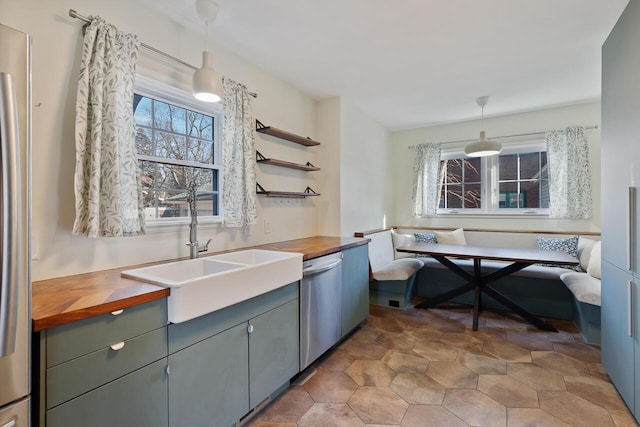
point(516, 259)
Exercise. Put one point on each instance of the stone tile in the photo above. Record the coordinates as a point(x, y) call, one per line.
point(418, 389)
point(530, 340)
point(367, 333)
point(508, 351)
point(423, 333)
point(387, 324)
point(564, 325)
point(623, 419)
point(508, 391)
point(259, 423)
point(364, 350)
point(462, 341)
point(487, 334)
point(330, 414)
point(447, 325)
point(336, 360)
point(373, 373)
point(532, 417)
point(535, 376)
point(289, 407)
point(600, 392)
point(565, 365)
point(396, 341)
point(482, 363)
point(597, 370)
point(405, 361)
point(573, 409)
point(579, 351)
point(378, 405)
point(452, 375)
point(422, 415)
point(475, 408)
point(434, 350)
point(330, 386)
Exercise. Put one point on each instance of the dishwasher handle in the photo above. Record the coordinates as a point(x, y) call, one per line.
point(310, 271)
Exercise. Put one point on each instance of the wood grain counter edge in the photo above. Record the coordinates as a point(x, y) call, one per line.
point(63, 300)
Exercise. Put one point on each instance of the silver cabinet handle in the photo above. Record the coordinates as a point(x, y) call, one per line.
point(629, 308)
point(11, 206)
point(11, 423)
point(250, 328)
point(631, 229)
point(117, 346)
point(117, 312)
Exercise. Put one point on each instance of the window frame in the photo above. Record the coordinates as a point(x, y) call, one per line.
point(180, 98)
point(490, 182)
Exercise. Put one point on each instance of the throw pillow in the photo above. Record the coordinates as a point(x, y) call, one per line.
point(568, 245)
point(595, 268)
point(401, 240)
point(455, 237)
point(426, 238)
point(584, 251)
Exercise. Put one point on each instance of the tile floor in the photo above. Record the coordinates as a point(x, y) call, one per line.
point(418, 368)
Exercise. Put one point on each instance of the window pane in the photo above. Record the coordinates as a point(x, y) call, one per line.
point(529, 165)
point(454, 171)
point(142, 110)
point(144, 142)
point(199, 125)
point(531, 192)
point(472, 170)
point(508, 195)
point(508, 167)
point(170, 146)
point(472, 196)
point(544, 173)
point(454, 196)
point(544, 196)
point(169, 117)
point(200, 151)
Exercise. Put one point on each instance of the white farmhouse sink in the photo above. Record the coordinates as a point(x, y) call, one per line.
point(200, 286)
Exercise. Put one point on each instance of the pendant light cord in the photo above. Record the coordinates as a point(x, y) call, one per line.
point(206, 35)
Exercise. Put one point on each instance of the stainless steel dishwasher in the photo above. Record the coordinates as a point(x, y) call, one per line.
point(320, 306)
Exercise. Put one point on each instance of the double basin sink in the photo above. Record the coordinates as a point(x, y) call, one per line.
point(203, 285)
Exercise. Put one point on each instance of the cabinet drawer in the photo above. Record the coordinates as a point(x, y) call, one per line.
point(135, 400)
point(71, 379)
point(85, 336)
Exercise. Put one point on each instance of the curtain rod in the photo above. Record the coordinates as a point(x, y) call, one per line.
point(76, 15)
point(504, 136)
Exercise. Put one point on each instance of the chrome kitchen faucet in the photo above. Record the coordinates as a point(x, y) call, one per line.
point(194, 247)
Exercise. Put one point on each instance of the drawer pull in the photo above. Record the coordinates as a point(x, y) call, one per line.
point(250, 328)
point(115, 313)
point(11, 423)
point(118, 346)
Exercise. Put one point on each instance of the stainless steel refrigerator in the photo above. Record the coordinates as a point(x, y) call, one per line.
point(15, 281)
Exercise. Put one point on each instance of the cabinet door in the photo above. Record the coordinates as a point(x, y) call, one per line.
point(620, 129)
point(274, 352)
point(355, 287)
point(135, 400)
point(617, 346)
point(208, 381)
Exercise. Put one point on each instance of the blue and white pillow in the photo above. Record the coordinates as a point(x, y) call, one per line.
point(568, 245)
point(426, 237)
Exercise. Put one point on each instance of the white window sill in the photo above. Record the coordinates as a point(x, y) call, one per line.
point(512, 214)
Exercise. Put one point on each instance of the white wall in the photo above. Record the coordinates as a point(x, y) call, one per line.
point(329, 130)
point(365, 172)
point(587, 114)
point(57, 41)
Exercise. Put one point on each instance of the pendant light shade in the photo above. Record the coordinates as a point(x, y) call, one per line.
point(206, 82)
point(483, 147)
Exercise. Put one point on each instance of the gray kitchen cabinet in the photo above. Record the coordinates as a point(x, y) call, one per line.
point(620, 231)
point(106, 370)
point(355, 287)
point(227, 362)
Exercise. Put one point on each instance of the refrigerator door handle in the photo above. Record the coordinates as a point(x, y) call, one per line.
point(10, 227)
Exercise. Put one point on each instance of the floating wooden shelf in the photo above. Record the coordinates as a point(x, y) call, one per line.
point(308, 167)
point(308, 192)
point(283, 134)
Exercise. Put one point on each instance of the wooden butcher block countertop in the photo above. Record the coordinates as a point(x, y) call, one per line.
point(63, 300)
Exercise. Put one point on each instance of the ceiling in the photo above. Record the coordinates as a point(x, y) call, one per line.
point(413, 63)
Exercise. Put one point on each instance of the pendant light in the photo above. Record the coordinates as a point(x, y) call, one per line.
point(483, 147)
point(207, 85)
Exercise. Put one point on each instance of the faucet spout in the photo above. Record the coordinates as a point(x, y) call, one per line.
point(194, 247)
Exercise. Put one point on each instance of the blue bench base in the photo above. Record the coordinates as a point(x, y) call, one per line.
point(392, 293)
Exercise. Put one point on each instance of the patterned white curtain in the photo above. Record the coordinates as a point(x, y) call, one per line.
point(238, 155)
point(569, 174)
point(107, 179)
point(426, 179)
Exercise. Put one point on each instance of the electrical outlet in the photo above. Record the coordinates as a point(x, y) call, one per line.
point(267, 226)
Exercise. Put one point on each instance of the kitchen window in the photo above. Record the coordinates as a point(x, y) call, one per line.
point(177, 141)
point(514, 182)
